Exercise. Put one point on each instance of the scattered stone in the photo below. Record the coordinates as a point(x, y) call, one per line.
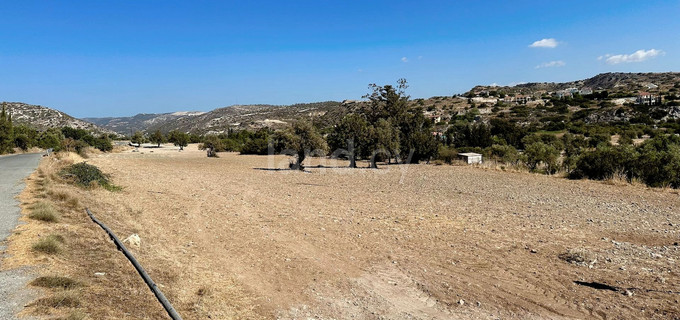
point(461, 302)
point(133, 240)
point(100, 274)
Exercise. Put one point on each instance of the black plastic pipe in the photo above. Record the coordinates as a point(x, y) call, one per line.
point(154, 288)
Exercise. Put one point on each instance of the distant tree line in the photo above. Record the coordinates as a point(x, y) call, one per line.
point(387, 129)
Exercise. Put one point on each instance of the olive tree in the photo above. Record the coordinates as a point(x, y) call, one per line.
point(157, 138)
point(179, 139)
point(138, 138)
point(304, 139)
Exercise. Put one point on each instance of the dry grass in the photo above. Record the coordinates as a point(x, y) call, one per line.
point(65, 299)
point(227, 241)
point(76, 315)
point(49, 245)
point(87, 251)
point(55, 282)
point(44, 211)
point(66, 197)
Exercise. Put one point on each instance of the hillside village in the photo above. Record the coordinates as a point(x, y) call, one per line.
point(610, 98)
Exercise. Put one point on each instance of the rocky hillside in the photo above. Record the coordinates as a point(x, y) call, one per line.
point(614, 82)
point(42, 118)
point(219, 120)
point(140, 122)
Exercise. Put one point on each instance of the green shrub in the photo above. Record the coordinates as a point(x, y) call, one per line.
point(103, 144)
point(85, 175)
point(447, 154)
point(541, 153)
point(659, 162)
point(504, 153)
point(255, 146)
point(604, 162)
point(599, 138)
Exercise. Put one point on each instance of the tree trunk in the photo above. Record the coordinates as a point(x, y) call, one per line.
point(300, 158)
point(352, 155)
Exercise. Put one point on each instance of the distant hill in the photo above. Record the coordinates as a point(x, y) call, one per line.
point(140, 122)
point(614, 82)
point(485, 101)
point(42, 118)
point(219, 120)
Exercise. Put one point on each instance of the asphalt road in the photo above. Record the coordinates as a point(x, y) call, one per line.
point(13, 169)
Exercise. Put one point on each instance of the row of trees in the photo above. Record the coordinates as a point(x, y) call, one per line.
point(384, 129)
point(176, 137)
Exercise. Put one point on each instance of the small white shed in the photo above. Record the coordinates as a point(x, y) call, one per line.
point(471, 157)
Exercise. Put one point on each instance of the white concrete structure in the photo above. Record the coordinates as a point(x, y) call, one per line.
point(471, 157)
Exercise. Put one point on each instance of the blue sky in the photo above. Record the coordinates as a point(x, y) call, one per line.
point(117, 58)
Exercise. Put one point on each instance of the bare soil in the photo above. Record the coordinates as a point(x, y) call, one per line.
point(229, 238)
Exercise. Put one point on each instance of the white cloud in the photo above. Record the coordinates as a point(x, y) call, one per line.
point(420, 57)
point(637, 56)
point(404, 59)
point(544, 43)
point(551, 64)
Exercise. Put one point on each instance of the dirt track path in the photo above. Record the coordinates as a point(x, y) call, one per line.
point(448, 242)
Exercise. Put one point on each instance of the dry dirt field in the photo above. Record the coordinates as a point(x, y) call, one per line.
point(227, 239)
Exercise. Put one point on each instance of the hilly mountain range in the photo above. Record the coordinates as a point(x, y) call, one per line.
point(257, 116)
point(219, 120)
point(43, 118)
point(614, 82)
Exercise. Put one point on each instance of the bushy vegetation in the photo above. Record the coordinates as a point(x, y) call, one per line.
point(87, 175)
point(243, 141)
point(656, 162)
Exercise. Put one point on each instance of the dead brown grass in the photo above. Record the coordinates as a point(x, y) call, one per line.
point(226, 240)
point(44, 211)
point(66, 299)
point(82, 249)
point(53, 282)
point(49, 245)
